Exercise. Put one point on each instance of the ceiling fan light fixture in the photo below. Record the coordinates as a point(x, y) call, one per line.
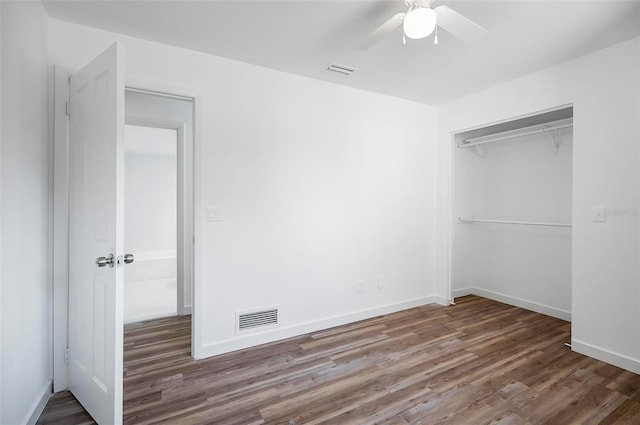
point(419, 22)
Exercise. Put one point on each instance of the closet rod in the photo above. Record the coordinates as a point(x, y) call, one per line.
point(526, 223)
point(470, 142)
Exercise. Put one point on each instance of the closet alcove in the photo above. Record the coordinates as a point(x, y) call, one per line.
point(512, 200)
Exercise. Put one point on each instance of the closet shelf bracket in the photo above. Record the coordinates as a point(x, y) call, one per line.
point(478, 151)
point(554, 137)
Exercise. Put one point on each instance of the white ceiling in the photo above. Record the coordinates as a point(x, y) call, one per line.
point(304, 36)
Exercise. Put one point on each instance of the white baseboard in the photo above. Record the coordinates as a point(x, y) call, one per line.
point(276, 334)
point(628, 363)
point(440, 300)
point(186, 310)
point(462, 292)
point(39, 404)
point(518, 302)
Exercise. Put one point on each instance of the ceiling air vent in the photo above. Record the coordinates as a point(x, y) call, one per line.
point(344, 70)
point(254, 320)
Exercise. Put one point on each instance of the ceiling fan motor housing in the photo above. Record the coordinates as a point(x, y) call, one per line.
point(420, 20)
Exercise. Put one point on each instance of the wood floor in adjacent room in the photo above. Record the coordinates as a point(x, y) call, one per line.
point(478, 362)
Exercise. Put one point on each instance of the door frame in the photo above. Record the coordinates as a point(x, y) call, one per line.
point(60, 255)
point(450, 214)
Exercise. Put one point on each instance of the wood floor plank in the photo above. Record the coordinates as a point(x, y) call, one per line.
point(478, 362)
point(628, 413)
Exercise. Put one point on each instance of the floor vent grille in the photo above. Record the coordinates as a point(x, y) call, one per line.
point(259, 319)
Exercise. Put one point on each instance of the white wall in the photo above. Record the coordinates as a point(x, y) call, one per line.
point(150, 231)
point(604, 88)
point(318, 186)
point(25, 368)
point(521, 179)
point(150, 191)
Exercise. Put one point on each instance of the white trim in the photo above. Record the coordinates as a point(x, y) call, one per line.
point(156, 93)
point(39, 404)
point(60, 226)
point(443, 301)
point(242, 342)
point(463, 292)
point(620, 360)
point(50, 208)
point(1, 197)
point(518, 302)
point(197, 318)
point(447, 222)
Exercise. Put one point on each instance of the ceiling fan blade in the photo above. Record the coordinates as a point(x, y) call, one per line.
point(459, 25)
point(391, 24)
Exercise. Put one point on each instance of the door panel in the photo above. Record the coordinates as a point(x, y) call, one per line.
point(96, 229)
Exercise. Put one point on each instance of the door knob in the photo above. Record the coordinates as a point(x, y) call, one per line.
point(105, 261)
point(128, 258)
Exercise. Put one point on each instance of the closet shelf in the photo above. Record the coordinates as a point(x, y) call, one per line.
point(463, 220)
point(550, 129)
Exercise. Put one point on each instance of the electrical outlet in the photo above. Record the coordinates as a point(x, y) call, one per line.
point(360, 286)
point(380, 282)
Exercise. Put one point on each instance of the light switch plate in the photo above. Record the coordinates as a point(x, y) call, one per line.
point(213, 214)
point(599, 213)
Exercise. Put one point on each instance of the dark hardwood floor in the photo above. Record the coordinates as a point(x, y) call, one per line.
point(478, 362)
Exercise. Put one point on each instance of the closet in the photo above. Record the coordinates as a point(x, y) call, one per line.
point(512, 197)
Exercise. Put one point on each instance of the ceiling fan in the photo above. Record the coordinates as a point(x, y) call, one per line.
point(421, 19)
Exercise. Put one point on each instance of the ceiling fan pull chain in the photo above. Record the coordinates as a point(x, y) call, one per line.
point(435, 39)
point(404, 39)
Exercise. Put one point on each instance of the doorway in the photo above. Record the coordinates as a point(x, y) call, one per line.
point(150, 222)
point(158, 205)
point(512, 205)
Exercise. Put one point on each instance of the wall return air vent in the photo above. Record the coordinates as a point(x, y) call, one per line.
point(338, 69)
point(249, 321)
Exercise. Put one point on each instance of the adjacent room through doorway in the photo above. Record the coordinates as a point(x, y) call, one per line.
point(158, 205)
point(150, 283)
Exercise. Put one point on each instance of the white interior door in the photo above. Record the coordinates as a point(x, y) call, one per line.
point(96, 229)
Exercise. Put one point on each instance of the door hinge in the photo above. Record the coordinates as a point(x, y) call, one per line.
point(66, 355)
point(67, 108)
